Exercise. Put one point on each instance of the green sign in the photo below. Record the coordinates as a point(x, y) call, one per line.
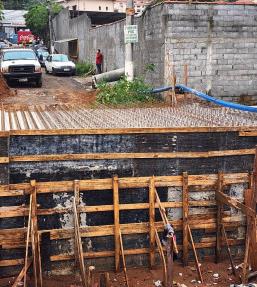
point(130, 34)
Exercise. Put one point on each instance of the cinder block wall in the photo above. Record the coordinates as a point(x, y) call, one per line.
point(217, 42)
point(219, 45)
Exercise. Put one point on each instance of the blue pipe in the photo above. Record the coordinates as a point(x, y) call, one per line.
point(203, 96)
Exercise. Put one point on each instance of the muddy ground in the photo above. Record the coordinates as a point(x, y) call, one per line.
point(55, 90)
point(146, 278)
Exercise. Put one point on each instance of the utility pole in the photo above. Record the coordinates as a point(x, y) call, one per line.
point(129, 66)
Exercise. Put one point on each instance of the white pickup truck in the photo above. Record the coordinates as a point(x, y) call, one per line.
point(20, 65)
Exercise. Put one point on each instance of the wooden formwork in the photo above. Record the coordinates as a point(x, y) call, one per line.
point(152, 152)
point(15, 237)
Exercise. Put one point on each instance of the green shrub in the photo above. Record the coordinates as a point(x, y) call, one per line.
point(125, 92)
point(83, 68)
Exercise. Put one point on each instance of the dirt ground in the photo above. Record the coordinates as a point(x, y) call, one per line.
point(143, 277)
point(55, 90)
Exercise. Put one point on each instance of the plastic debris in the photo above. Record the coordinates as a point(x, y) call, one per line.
point(158, 283)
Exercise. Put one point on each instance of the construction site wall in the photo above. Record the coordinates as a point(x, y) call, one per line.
point(217, 42)
point(50, 158)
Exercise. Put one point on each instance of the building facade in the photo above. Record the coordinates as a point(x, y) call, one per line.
point(88, 5)
point(102, 5)
point(120, 5)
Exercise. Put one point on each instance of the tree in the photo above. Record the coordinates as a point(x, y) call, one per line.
point(1, 10)
point(37, 18)
point(15, 4)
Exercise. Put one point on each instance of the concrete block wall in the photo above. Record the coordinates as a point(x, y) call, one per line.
point(217, 42)
point(219, 45)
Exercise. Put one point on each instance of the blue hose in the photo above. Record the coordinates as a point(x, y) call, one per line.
point(186, 89)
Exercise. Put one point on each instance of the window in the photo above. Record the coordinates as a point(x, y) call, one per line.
point(106, 8)
point(100, 8)
point(19, 55)
point(60, 58)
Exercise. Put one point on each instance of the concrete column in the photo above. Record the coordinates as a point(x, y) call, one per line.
point(129, 66)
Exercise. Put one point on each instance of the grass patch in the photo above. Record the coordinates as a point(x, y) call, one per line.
point(84, 68)
point(125, 92)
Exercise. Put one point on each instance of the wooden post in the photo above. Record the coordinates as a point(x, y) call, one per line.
point(90, 277)
point(76, 184)
point(35, 238)
point(22, 274)
point(77, 202)
point(104, 280)
point(253, 222)
point(248, 243)
point(185, 202)
point(27, 242)
point(78, 245)
point(219, 218)
point(162, 257)
point(123, 259)
point(228, 249)
point(170, 263)
point(152, 221)
point(116, 221)
point(195, 254)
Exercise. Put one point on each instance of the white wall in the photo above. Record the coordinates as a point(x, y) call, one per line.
point(89, 5)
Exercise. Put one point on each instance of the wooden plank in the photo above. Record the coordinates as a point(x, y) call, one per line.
point(235, 204)
point(131, 182)
point(22, 274)
point(195, 254)
point(123, 260)
point(4, 159)
point(253, 234)
point(170, 263)
point(34, 235)
point(27, 241)
point(116, 222)
point(185, 210)
point(162, 257)
point(228, 249)
point(21, 211)
point(18, 235)
point(11, 262)
point(164, 218)
point(78, 245)
point(248, 133)
point(250, 248)
point(102, 254)
point(219, 216)
point(152, 221)
point(243, 129)
point(100, 156)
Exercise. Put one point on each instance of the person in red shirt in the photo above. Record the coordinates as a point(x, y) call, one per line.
point(99, 61)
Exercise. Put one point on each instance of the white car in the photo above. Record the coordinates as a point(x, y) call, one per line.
point(59, 64)
point(20, 65)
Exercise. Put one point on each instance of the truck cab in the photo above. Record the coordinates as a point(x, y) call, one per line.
point(20, 65)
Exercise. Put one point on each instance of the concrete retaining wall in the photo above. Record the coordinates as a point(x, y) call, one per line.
point(21, 172)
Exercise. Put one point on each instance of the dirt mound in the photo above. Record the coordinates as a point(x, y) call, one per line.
point(5, 91)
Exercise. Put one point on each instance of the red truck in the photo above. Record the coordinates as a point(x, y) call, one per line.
point(25, 37)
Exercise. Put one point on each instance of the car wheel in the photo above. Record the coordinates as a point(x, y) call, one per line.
point(39, 83)
point(9, 83)
point(53, 72)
